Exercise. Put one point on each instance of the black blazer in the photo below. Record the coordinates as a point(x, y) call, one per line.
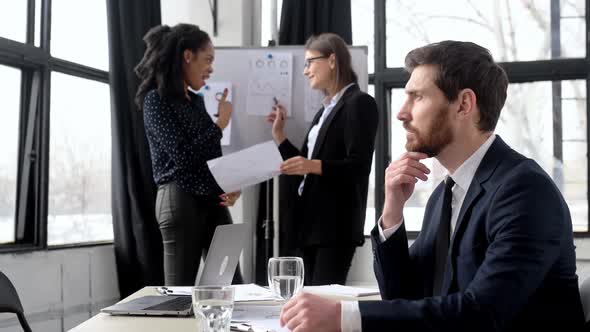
point(511, 263)
point(331, 209)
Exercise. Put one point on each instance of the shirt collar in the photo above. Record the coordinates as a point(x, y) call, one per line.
point(465, 173)
point(334, 100)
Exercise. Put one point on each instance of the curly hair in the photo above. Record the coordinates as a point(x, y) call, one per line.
point(161, 65)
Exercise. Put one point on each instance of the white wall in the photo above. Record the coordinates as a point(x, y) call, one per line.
point(59, 289)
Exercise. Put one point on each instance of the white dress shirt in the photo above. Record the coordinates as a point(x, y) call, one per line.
point(462, 176)
point(329, 104)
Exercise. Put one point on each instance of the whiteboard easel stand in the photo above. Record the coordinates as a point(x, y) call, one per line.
point(268, 223)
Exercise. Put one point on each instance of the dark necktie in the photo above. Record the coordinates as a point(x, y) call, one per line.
point(442, 237)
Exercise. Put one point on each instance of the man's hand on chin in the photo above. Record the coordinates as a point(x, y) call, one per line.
point(307, 312)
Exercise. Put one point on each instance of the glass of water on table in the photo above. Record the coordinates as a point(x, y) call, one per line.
point(285, 276)
point(213, 307)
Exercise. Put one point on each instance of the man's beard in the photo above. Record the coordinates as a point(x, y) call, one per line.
point(432, 140)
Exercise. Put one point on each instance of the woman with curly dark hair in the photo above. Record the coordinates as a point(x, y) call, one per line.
point(182, 137)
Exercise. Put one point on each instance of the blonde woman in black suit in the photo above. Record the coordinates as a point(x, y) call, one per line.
point(334, 164)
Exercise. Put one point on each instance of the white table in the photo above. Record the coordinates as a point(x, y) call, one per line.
point(105, 322)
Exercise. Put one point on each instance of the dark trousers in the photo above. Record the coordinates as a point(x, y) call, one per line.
point(187, 225)
point(327, 265)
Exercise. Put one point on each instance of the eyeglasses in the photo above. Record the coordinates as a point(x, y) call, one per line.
point(308, 61)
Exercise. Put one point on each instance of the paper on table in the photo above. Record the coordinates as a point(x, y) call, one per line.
point(246, 167)
point(259, 317)
point(246, 313)
point(253, 292)
point(242, 293)
point(341, 290)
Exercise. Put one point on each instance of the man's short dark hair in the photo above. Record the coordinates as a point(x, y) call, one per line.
point(463, 65)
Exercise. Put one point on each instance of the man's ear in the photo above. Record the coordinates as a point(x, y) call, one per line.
point(467, 102)
point(332, 61)
point(187, 56)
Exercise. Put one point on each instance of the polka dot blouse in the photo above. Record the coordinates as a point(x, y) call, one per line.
point(182, 137)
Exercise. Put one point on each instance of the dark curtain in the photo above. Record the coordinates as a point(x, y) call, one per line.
point(302, 18)
point(264, 246)
point(138, 243)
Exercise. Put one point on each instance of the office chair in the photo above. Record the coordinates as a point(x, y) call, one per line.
point(10, 302)
point(585, 295)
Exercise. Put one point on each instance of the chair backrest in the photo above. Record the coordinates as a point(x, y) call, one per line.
point(585, 295)
point(10, 302)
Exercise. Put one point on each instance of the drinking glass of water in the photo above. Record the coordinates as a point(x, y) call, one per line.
point(213, 306)
point(285, 276)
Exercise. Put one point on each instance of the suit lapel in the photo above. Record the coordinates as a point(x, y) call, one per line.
point(485, 170)
point(326, 125)
point(315, 121)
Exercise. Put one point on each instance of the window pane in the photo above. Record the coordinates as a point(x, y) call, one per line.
point(265, 27)
point(572, 8)
point(79, 32)
point(10, 80)
point(38, 22)
point(572, 32)
point(363, 27)
point(511, 30)
point(526, 124)
point(80, 161)
point(13, 20)
point(370, 214)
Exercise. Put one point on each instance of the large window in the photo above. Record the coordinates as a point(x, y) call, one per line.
point(55, 128)
point(265, 20)
point(542, 46)
point(371, 211)
point(80, 161)
point(13, 20)
point(362, 35)
point(10, 86)
point(85, 44)
point(511, 30)
point(528, 124)
point(548, 124)
point(363, 30)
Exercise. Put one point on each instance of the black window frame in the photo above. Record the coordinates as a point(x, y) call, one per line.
point(36, 65)
point(385, 79)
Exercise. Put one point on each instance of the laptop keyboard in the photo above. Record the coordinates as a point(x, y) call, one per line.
point(179, 303)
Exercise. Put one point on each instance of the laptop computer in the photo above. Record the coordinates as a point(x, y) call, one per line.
point(220, 266)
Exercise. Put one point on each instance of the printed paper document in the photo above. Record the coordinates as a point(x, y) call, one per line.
point(246, 167)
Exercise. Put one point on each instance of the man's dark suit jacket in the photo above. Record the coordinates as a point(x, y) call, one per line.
point(332, 207)
point(511, 264)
